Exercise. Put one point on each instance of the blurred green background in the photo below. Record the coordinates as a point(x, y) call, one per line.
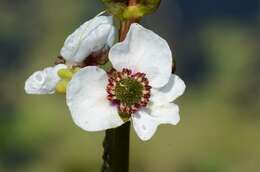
point(216, 44)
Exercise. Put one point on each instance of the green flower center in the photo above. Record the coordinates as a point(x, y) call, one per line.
point(129, 91)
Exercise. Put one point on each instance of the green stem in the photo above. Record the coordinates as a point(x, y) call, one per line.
point(116, 149)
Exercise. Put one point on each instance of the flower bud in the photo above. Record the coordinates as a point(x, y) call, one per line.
point(133, 12)
point(121, 10)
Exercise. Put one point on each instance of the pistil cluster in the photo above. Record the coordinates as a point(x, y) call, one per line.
point(129, 91)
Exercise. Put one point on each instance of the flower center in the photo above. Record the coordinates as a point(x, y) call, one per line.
point(128, 91)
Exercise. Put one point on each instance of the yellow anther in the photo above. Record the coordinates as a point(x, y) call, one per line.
point(62, 86)
point(65, 73)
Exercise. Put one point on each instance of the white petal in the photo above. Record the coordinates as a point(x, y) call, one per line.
point(172, 90)
point(146, 121)
point(86, 99)
point(143, 51)
point(44, 81)
point(166, 114)
point(144, 124)
point(90, 37)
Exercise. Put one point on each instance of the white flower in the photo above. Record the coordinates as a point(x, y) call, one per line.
point(44, 81)
point(142, 87)
point(91, 36)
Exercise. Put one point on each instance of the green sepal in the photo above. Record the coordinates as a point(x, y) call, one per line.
point(107, 66)
point(124, 116)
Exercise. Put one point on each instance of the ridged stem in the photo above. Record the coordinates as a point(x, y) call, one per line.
point(116, 149)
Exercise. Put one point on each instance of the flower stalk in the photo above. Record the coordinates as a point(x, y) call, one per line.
point(117, 140)
point(116, 149)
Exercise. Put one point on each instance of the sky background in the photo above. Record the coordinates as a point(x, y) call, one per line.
point(216, 46)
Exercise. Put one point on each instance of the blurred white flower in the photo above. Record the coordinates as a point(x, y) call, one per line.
point(142, 87)
point(44, 81)
point(92, 36)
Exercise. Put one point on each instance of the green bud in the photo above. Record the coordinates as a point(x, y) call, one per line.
point(149, 6)
point(65, 73)
point(62, 86)
point(107, 66)
point(133, 12)
point(121, 10)
point(116, 7)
